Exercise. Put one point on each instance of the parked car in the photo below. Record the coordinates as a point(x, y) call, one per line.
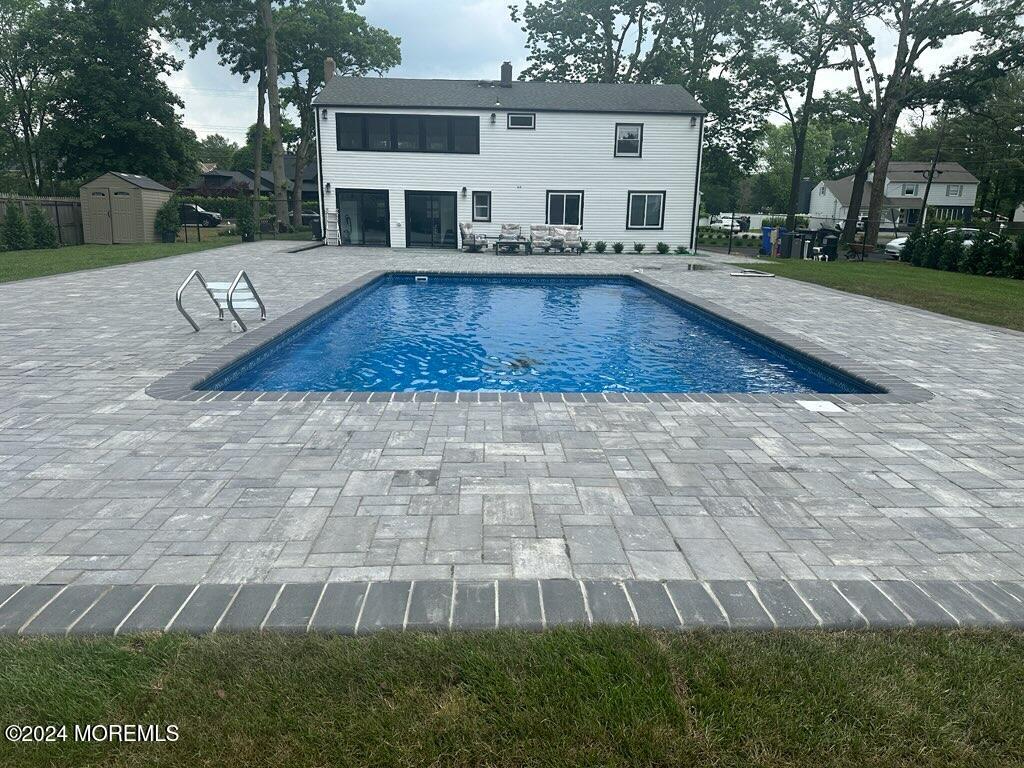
point(967, 236)
point(192, 214)
point(724, 224)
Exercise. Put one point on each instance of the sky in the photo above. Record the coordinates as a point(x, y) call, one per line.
point(440, 38)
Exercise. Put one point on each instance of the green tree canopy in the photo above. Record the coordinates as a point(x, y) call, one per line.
point(217, 149)
point(114, 112)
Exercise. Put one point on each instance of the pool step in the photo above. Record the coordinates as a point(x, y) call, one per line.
point(238, 294)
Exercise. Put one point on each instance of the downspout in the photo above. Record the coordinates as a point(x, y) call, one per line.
point(696, 186)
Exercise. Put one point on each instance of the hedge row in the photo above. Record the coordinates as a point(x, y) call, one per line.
point(228, 206)
point(989, 254)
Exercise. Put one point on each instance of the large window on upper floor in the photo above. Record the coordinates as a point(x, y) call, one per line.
point(443, 134)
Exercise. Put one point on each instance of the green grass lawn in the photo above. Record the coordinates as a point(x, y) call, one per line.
point(605, 697)
point(992, 300)
point(19, 265)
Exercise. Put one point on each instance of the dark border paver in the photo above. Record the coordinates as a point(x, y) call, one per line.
point(110, 610)
point(696, 606)
point(519, 605)
point(608, 603)
point(784, 604)
point(652, 604)
point(204, 609)
point(832, 608)
point(998, 601)
point(922, 609)
point(430, 607)
point(250, 607)
point(874, 606)
point(385, 606)
point(965, 608)
point(155, 612)
point(475, 606)
point(294, 608)
point(340, 606)
point(740, 605)
point(562, 602)
point(22, 606)
point(65, 610)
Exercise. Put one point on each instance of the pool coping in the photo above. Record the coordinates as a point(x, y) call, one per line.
point(180, 385)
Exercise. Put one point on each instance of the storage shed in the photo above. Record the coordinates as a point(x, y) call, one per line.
point(121, 208)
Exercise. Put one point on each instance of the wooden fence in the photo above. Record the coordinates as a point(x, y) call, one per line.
point(64, 212)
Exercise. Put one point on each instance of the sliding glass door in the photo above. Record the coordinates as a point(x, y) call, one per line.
point(430, 220)
point(364, 217)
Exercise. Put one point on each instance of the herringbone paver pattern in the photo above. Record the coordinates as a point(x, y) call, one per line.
point(102, 484)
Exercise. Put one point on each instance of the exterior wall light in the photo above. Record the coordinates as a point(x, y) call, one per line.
point(463, 191)
point(324, 113)
point(493, 118)
point(327, 187)
point(693, 121)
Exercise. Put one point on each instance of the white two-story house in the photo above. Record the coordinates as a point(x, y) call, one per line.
point(951, 197)
point(404, 161)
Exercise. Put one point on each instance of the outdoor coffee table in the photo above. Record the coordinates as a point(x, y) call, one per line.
point(511, 246)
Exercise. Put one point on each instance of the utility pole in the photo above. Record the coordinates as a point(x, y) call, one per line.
point(931, 171)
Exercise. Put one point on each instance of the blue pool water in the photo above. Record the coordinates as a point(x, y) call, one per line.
point(524, 334)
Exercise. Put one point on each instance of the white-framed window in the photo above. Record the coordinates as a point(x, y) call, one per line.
point(565, 207)
point(522, 120)
point(646, 210)
point(910, 190)
point(821, 190)
point(481, 206)
point(954, 190)
point(629, 139)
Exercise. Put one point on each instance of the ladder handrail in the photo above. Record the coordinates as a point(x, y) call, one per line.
point(195, 274)
point(231, 293)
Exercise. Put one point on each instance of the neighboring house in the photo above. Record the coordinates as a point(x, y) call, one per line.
point(404, 161)
point(310, 180)
point(223, 183)
point(951, 197)
point(1018, 214)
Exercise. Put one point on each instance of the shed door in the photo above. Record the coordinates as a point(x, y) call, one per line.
point(99, 215)
point(121, 216)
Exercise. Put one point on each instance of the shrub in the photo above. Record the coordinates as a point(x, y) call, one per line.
point(638, 247)
point(911, 246)
point(600, 246)
point(584, 246)
point(662, 247)
point(244, 220)
point(1000, 257)
point(44, 234)
point(1016, 266)
point(682, 250)
point(16, 235)
point(950, 254)
point(168, 219)
point(617, 247)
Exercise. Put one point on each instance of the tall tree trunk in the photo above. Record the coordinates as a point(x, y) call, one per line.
point(301, 161)
point(274, 100)
point(799, 148)
point(860, 177)
point(883, 153)
point(257, 160)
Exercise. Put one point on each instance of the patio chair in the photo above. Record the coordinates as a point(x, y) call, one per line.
point(509, 238)
point(471, 241)
point(568, 237)
point(541, 236)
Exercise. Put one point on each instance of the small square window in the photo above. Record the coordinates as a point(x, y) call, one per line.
point(910, 189)
point(629, 139)
point(481, 206)
point(954, 190)
point(522, 120)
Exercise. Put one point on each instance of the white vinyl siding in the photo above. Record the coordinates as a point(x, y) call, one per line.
point(565, 151)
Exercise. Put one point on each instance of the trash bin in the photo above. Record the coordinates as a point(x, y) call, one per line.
point(830, 247)
point(317, 230)
point(786, 249)
point(766, 241)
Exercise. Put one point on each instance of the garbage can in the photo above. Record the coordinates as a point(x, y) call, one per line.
point(830, 247)
point(786, 249)
point(317, 230)
point(766, 241)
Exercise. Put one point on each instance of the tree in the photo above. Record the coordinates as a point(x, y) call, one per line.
point(802, 37)
point(26, 86)
point(704, 45)
point(113, 110)
point(274, 102)
point(244, 157)
point(218, 150)
point(308, 32)
point(15, 232)
point(41, 229)
point(921, 26)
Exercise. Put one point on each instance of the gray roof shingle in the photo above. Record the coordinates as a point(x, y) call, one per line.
point(143, 182)
point(483, 94)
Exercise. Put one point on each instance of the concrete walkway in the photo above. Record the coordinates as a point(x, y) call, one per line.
point(101, 484)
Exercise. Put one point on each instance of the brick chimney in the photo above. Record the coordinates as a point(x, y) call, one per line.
point(506, 74)
point(329, 69)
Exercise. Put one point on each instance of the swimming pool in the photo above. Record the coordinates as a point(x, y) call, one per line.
point(503, 333)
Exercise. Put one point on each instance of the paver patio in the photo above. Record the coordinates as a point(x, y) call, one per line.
point(102, 484)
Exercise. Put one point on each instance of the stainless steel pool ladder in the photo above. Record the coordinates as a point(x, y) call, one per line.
point(225, 295)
